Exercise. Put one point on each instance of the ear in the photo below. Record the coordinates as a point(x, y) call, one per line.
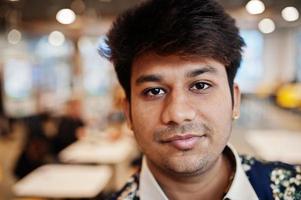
point(127, 112)
point(236, 103)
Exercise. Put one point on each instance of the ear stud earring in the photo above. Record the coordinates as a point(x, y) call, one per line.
point(235, 116)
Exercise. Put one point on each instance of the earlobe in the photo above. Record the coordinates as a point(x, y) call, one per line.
point(127, 112)
point(236, 98)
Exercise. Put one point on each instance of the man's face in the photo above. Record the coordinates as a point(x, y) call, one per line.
point(180, 112)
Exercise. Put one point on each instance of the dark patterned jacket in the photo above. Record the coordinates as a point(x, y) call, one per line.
point(270, 180)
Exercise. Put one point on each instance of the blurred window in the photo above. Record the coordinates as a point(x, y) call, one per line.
point(52, 73)
point(250, 73)
point(98, 73)
point(17, 78)
point(36, 74)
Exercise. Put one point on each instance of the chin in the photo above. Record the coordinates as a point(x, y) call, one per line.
point(187, 165)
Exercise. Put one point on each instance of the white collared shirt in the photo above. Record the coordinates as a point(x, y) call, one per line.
point(240, 187)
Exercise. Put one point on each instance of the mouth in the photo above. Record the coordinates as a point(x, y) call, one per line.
point(183, 142)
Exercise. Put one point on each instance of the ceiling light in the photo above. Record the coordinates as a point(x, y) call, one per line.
point(255, 7)
point(266, 26)
point(14, 36)
point(65, 16)
point(290, 14)
point(56, 38)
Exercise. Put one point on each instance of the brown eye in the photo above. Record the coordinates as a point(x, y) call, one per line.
point(199, 86)
point(154, 92)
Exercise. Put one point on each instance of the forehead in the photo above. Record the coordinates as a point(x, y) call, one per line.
point(173, 64)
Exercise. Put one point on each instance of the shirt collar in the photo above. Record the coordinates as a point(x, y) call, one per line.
point(240, 188)
point(149, 188)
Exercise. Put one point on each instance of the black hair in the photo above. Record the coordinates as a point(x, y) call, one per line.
point(186, 28)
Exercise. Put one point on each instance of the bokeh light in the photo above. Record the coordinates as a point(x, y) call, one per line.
point(14, 36)
point(56, 38)
point(65, 16)
point(255, 7)
point(266, 26)
point(290, 14)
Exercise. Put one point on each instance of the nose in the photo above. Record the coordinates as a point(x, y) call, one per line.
point(178, 109)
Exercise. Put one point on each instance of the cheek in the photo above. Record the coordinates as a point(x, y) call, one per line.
point(142, 113)
point(216, 110)
point(222, 110)
point(222, 103)
point(216, 105)
point(222, 118)
point(144, 120)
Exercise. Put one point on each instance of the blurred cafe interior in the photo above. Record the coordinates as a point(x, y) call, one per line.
point(62, 131)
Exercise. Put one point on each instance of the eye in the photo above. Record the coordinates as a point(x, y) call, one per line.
point(200, 86)
point(153, 92)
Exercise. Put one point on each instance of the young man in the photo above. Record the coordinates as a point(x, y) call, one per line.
point(176, 60)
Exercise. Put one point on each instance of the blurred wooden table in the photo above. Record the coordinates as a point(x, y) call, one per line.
point(98, 151)
point(118, 154)
point(64, 181)
point(276, 145)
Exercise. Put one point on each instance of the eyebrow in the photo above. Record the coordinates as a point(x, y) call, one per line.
point(190, 74)
point(148, 78)
point(197, 72)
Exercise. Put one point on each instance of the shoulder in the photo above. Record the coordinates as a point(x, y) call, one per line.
point(273, 179)
point(129, 191)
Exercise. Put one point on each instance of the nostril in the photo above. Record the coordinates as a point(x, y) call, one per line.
point(171, 123)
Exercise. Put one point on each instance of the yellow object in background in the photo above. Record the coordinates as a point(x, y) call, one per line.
point(289, 96)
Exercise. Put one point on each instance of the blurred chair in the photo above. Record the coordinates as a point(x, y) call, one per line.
point(38, 148)
point(70, 126)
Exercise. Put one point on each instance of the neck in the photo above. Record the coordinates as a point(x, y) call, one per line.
point(212, 184)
